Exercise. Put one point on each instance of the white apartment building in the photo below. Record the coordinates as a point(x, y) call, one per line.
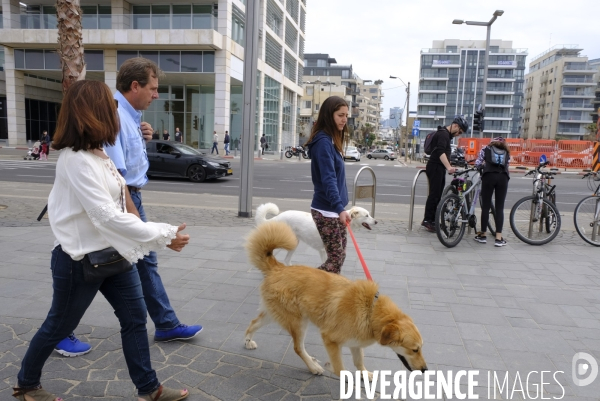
point(559, 94)
point(451, 83)
point(199, 46)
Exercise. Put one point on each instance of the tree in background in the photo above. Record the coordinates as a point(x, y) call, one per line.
point(592, 132)
point(70, 41)
point(378, 82)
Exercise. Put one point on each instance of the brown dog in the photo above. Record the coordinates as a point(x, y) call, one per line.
point(348, 313)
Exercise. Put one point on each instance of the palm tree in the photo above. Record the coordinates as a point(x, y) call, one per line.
point(70, 42)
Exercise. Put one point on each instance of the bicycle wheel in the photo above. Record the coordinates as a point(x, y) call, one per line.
point(587, 219)
point(450, 220)
point(531, 225)
point(548, 221)
point(450, 189)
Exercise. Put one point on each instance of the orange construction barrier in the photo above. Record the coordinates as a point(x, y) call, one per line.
point(574, 154)
point(516, 150)
point(533, 149)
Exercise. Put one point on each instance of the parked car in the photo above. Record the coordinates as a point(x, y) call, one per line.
point(382, 154)
point(172, 159)
point(352, 153)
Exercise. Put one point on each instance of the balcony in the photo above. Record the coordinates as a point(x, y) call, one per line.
point(578, 69)
point(539, 123)
point(543, 79)
point(579, 81)
point(541, 112)
point(576, 105)
point(586, 94)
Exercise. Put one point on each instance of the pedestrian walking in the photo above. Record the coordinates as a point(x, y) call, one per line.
point(46, 138)
point(86, 209)
point(325, 146)
point(166, 135)
point(226, 141)
point(178, 136)
point(493, 162)
point(263, 143)
point(44, 151)
point(215, 143)
point(439, 165)
point(137, 87)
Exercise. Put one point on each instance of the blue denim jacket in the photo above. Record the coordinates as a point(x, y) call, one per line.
point(129, 152)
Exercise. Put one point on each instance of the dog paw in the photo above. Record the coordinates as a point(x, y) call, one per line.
point(316, 369)
point(251, 344)
point(369, 376)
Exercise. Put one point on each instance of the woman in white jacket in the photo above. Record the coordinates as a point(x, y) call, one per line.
point(86, 209)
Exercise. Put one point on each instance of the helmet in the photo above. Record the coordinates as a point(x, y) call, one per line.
point(461, 122)
point(498, 139)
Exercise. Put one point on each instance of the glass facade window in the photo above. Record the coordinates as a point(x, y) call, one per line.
point(1, 59)
point(236, 101)
point(238, 26)
point(41, 59)
point(38, 17)
point(40, 116)
point(174, 61)
point(176, 16)
point(271, 92)
point(288, 116)
point(273, 53)
point(96, 17)
point(274, 17)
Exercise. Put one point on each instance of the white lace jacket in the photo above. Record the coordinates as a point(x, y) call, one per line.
point(85, 210)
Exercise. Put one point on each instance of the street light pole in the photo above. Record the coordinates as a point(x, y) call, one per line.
point(407, 115)
point(488, 24)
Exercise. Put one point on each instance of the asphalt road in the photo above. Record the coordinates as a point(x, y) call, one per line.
point(291, 179)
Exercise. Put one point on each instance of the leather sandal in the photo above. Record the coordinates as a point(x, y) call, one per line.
point(38, 394)
point(164, 394)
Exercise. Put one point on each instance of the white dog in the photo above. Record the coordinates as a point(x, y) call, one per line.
point(304, 227)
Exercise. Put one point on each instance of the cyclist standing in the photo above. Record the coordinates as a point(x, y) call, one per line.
point(438, 165)
point(493, 164)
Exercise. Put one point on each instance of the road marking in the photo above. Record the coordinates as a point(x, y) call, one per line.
point(261, 188)
point(33, 175)
point(169, 183)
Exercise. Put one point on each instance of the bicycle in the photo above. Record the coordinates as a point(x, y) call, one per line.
point(535, 219)
point(460, 182)
point(587, 212)
point(456, 210)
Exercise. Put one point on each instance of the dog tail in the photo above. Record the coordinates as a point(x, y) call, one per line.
point(263, 210)
point(265, 239)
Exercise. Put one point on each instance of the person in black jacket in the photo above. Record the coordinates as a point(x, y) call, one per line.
point(493, 163)
point(438, 165)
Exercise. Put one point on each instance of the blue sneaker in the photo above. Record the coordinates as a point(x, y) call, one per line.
point(181, 332)
point(71, 346)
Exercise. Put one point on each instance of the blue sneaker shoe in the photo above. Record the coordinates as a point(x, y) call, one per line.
point(181, 332)
point(71, 346)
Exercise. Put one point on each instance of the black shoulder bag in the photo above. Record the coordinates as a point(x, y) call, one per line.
point(106, 262)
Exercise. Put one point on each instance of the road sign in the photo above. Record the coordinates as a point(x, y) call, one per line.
point(415, 132)
point(543, 159)
point(417, 124)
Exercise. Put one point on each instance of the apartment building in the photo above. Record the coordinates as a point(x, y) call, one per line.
point(559, 94)
point(451, 83)
point(595, 64)
point(199, 46)
point(322, 73)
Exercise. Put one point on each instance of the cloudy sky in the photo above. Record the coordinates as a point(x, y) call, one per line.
point(384, 37)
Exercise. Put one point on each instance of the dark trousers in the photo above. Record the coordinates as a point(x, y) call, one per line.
point(70, 298)
point(436, 174)
point(493, 183)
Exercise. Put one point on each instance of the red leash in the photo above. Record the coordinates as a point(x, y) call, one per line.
point(360, 256)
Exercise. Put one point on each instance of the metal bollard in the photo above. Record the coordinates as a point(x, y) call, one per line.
point(412, 199)
point(365, 191)
point(259, 153)
point(281, 155)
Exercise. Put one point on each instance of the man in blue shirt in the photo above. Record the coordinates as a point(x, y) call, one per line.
point(137, 87)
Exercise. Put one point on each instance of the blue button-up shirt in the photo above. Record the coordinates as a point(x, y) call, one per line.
point(129, 151)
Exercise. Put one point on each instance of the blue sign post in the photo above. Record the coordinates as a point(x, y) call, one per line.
point(417, 124)
point(543, 159)
point(415, 132)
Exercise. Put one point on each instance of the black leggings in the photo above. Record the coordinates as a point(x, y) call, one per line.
point(493, 183)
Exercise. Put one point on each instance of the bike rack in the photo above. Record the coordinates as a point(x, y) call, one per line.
point(365, 191)
point(412, 198)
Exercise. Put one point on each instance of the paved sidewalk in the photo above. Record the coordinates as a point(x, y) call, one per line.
point(518, 309)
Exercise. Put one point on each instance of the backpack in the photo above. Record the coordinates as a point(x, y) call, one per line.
point(428, 146)
point(498, 156)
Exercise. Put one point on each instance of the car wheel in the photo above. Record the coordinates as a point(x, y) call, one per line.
point(386, 158)
point(196, 173)
point(369, 157)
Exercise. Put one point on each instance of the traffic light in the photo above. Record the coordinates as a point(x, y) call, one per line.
point(196, 122)
point(478, 122)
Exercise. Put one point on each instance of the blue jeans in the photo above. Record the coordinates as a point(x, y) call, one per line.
point(159, 307)
point(226, 149)
point(214, 148)
point(71, 298)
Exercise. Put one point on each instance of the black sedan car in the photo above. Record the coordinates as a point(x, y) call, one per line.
point(173, 159)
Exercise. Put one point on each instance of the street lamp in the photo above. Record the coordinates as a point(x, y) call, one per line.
point(407, 114)
point(488, 24)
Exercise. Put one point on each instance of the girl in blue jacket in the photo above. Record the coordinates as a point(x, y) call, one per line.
point(329, 180)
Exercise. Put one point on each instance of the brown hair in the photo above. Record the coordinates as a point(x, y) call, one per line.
point(501, 145)
point(87, 118)
point(136, 69)
point(326, 123)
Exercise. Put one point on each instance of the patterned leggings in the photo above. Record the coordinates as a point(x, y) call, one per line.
point(333, 234)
